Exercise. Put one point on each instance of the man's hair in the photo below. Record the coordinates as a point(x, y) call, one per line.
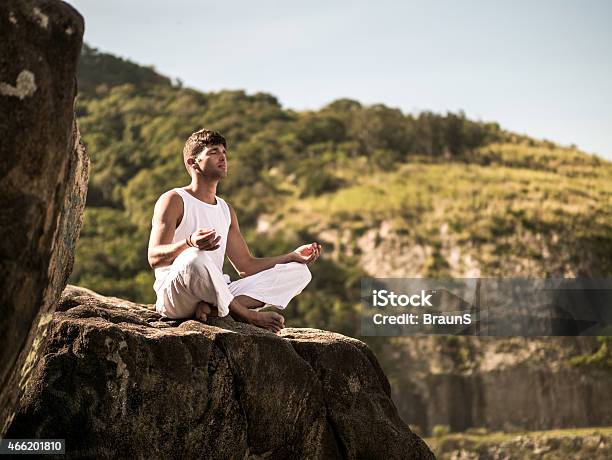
point(199, 140)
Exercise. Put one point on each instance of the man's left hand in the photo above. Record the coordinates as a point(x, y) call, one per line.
point(306, 254)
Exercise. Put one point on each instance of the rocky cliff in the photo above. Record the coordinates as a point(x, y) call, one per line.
point(507, 384)
point(117, 379)
point(43, 179)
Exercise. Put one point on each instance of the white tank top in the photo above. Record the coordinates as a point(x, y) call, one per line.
point(198, 214)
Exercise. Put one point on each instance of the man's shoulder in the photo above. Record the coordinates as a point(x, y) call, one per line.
point(170, 198)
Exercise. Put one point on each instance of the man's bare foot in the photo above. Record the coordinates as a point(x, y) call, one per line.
point(267, 320)
point(203, 309)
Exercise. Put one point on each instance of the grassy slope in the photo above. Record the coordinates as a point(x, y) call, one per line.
point(577, 443)
point(517, 209)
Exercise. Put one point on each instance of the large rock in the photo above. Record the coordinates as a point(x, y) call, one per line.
point(117, 380)
point(43, 177)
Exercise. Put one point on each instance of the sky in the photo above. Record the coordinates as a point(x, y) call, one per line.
point(541, 68)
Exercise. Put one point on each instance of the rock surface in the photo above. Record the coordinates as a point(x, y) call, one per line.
point(43, 177)
point(116, 378)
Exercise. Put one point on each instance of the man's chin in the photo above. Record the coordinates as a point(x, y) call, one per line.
point(216, 175)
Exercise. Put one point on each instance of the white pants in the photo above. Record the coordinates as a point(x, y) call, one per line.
point(194, 277)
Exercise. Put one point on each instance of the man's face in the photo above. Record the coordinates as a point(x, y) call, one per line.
point(212, 161)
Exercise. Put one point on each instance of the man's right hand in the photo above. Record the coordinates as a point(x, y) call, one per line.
point(205, 239)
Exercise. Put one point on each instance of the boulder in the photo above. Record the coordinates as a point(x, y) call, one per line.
point(118, 380)
point(43, 179)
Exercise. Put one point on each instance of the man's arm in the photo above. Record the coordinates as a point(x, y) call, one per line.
point(166, 217)
point(245, 264)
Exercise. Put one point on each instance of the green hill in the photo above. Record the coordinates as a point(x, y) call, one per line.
point(388, 193)
point(98, 72)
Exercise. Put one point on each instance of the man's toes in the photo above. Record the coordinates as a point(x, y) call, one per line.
point(273, 325)
point(201, 316)
point(279, 320)
point(204, 307)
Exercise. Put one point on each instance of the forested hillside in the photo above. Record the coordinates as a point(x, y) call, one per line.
point(387, 193)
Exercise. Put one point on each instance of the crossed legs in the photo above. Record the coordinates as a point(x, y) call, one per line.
point(195, 287)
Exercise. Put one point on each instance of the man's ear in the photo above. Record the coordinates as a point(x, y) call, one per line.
point(191, 162)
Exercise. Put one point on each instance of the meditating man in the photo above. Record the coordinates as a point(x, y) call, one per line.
point(192, 231)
